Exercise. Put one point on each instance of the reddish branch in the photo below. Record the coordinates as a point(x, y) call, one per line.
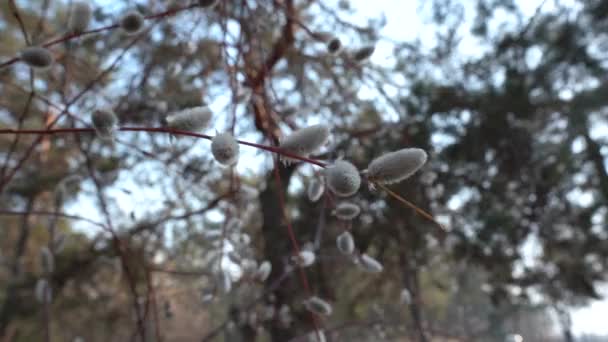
point(272, 149)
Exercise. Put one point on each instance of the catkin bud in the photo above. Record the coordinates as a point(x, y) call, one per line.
point(318, 306)
point(264, 271)
point(191, 119)
point(370, 264)
point(47, 261)
point(304, 259)
point(43, 291)
point(80, 17)
point(315, 190)
point(207, 3)
point(132, 22)
point(305, 141)
point(37, 57)
point(347, 211)
point(334, 46)
point(345, 243)
point(225, 149)
point(363, 53)
point(396, 166)
point(316, 336)
point(405, 297)
point(343, 178)
point(104, 122)
point(225, 281)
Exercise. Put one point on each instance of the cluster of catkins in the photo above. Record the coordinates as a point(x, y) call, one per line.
point(343, 180)
point(130, 23)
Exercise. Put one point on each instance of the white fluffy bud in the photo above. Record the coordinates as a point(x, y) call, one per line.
point(43, 291)
point(37, 57)
point(345, 243)
point(132, 22)
point(225, 149)
point(316, 336)
point(80, 17)
point(370, 264)
point(405, 297)
point(315, 190)
point(343, 178)
point(396, 166)
point(363, 53)
point(347, 211)
point(264, 271)
point(47, 261)
point(305, 141)
point(304, 259)
point(318, 306)
point(191, 119)
point(104, 122)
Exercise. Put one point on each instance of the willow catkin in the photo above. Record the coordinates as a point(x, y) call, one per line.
point(363, 53)
point(316, 336)
point(315, 190)
point(396, 166)
point(132, 22)
point(264, 271)
point(225, 149)
point(405, 296)
point(369, 264)
point(47, 260)
point(104, 122)
point(304, 259)
point(318, 306)
point(342, 178)
point(190, 119)
point(37, 57)
point(80, 17)
point(346, 211)
point(305, 141)
point(43, 291)
point(345, 243)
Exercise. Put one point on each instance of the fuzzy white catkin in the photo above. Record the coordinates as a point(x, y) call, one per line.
point(318, 306)
point(347, 211)
point(363, 53)
point(343, 178)
point(304, 259)
point(104, 121)
point(370, 264)
point(191, 119)
point(225, 149)
point(394, 167)
point(315, 190)
point(405, 297)
point(43, 291)
point(80, 17)
point(345, 243)
point(47, 261)
point(264, 271)
point(316, 336)
point(132, 22)
point(305, 141)
point(37, 57)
